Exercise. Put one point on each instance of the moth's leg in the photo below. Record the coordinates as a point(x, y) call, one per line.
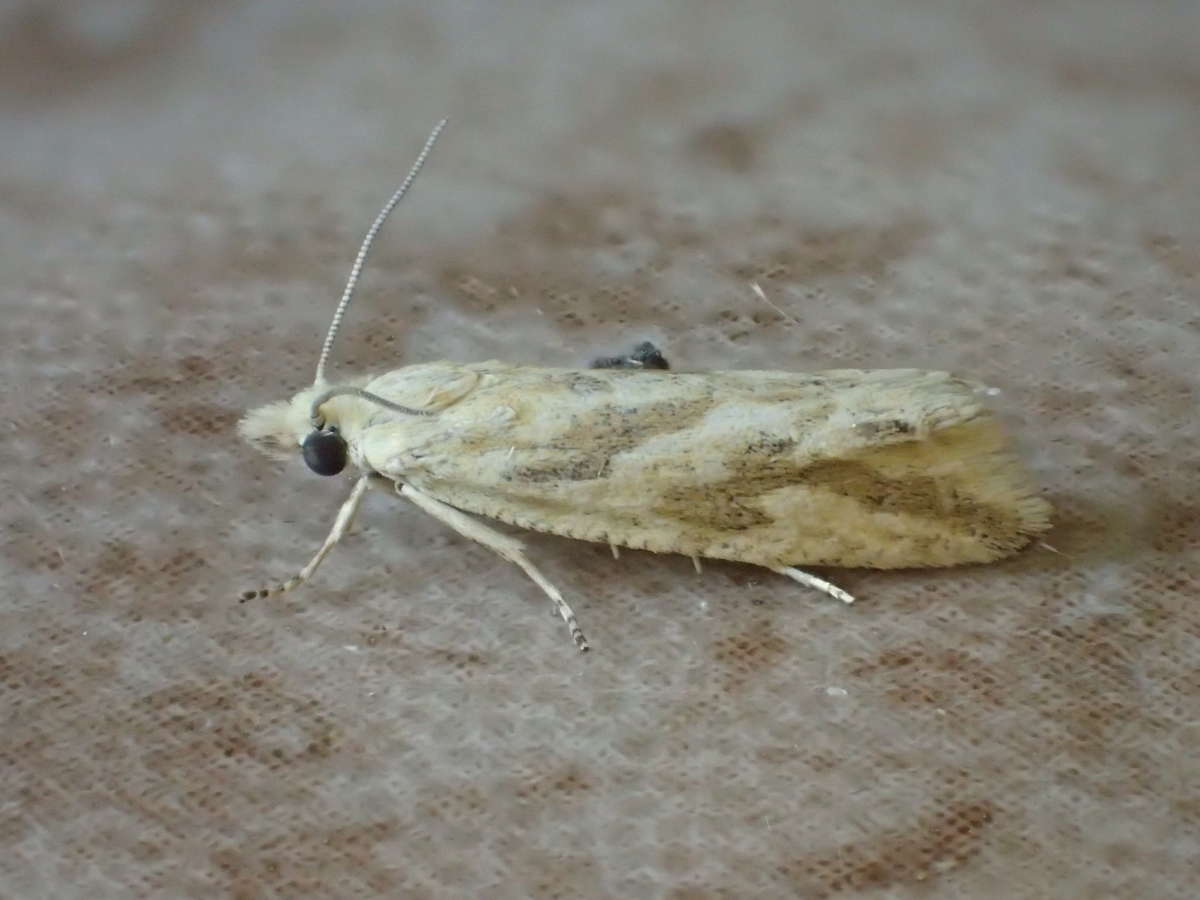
point(341, 525)
point(813, 581)
point(508, 547)
point(644, 356)
point(696, 565)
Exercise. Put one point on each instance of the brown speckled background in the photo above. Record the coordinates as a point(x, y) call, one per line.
point(1011, 190)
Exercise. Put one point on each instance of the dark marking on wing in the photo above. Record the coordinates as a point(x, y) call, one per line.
point(920, 496)
point(734, 502)
point(885, 428)
point(769, 445)
point(583, 452)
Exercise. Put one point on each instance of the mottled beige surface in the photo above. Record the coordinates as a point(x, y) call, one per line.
point(1008, 190)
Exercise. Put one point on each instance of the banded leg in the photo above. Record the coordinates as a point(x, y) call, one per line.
point(814, 582)
point(341, 525)
point(508, 547)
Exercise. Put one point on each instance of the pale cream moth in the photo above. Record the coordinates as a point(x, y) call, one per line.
point(866, 468)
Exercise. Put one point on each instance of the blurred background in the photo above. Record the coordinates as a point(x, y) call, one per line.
point(1004, 189)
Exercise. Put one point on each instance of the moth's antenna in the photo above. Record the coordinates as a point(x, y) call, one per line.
point(366, 246)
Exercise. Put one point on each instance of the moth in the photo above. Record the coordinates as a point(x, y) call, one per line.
point(879, 469)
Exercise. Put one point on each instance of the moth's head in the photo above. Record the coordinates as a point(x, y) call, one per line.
point(280, 429)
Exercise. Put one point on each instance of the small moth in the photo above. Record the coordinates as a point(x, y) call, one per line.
point(878, 469)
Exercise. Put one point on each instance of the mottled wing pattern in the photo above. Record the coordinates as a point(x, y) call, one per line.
point(881, 468)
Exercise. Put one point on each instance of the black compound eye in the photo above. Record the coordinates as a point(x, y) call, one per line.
point(325, 452)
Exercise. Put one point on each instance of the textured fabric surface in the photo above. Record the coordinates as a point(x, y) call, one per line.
point(1008, 190)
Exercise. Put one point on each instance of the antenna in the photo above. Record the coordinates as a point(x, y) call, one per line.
point(366, 246)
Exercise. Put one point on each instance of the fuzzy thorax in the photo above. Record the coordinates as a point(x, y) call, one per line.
point(278, 429)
